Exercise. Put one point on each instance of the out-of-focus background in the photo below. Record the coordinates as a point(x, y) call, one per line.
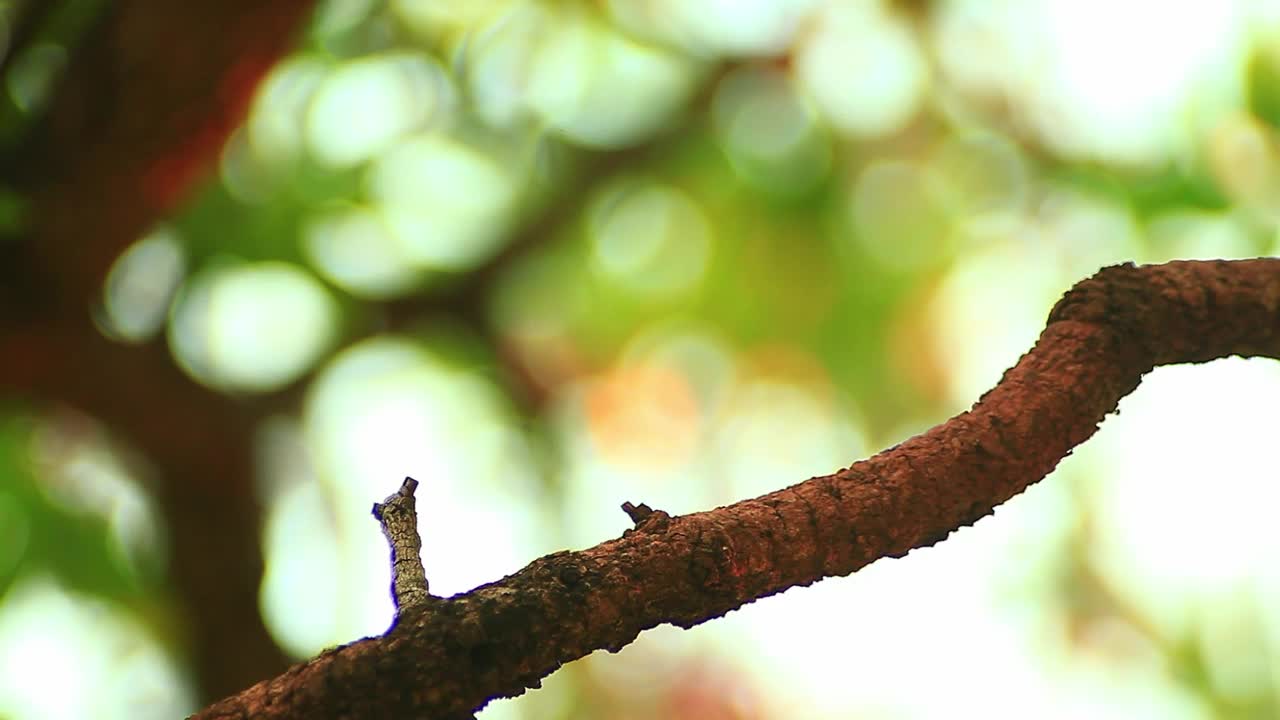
point(546, 257)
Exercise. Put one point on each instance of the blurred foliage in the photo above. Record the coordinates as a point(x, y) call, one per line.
point(42, 33)
point(41, 535)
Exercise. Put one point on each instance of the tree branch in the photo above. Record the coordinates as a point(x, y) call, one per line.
point(448, 658)
point(398, 515)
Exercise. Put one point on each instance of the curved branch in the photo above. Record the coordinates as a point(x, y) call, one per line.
point(449, 658)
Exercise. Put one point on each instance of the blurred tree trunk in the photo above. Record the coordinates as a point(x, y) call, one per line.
point(150, 92)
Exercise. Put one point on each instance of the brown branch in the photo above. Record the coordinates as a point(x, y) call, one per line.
point(449, 658)
point(398, 515)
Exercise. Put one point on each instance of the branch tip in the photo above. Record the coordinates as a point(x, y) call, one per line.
point(645, 517)
point(398, 516)
point(637, 513)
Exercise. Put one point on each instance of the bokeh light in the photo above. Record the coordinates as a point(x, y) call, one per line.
point(432, 19)
point(1145, 548)
point(357, 249)
point(30, 79)
point(901, 215)
point(141, 286)
point(987, 184)
point(863, 67)
point(719, 28)
point(600, 88)
point(82, 471)
point(251, 326)
point(769, 133)
point(652, 239)
point(65, 656)
point(1242, 153)
point(302, 547)
point(276, 126)
point(1200, 236)
point(1081, 83)
point(771, 429)
point(363, 107)
point(447, 204)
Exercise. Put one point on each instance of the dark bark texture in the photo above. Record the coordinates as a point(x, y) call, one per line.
point(449, 657)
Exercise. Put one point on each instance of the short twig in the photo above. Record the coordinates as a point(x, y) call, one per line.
point(399, 519)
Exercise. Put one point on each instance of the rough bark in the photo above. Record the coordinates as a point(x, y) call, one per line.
point(449, 657)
